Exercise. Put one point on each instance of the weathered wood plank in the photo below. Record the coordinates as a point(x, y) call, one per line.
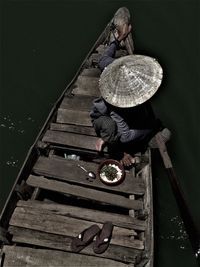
point(86, 91)
point(60, 242)
point(24, 256)
point(83, 192)
point(87, 86)
point(119, 53)
point(82, 102)
point(74, 117)
point(70, 139)
point(69, 171)
point(72, 128)
point(86, 214)
point(91, 72)
point(67, 226)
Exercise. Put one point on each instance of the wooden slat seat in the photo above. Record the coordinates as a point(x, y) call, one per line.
point(70, 139)
point(87, 86)
point(36, 219)
point(94, 215)
point(60, 242)
point(25, 256)
point(82, 102)
point(82, 192)
point(68, 170)
point(91, 72)
point(119, 53)
point(79, 129)
point(74, 117)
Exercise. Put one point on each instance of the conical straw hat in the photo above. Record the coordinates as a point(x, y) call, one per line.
point(130, 80)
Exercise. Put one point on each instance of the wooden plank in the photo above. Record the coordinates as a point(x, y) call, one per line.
point(83, 192)
point(62, 225)
point(82, 102)
point(72, 128)
point(60, 242)
point(91, 72)
point(87, 86)
point(86, 214)
point(70, 139)
point(24, 256)
point(69, 171)
point(74, 117)
point(119, 53)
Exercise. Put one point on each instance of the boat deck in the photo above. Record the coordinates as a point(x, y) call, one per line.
point(63, 202)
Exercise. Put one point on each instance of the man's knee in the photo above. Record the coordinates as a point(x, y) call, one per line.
point(106, 128)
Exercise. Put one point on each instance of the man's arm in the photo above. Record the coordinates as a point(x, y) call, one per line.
point(126, 134)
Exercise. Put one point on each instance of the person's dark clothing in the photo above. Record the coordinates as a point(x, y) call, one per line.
point(108, 56)
point(128, 128)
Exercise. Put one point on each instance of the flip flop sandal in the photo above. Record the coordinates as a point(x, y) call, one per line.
point(103, 238)
point(84, 238)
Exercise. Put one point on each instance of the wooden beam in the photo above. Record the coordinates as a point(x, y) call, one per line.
point(67, 226)
point(70, 139)
point(91, 72)
point(79, 129)
point(24, 256)
point(60, 242)
point(83, 192)
point(95, 216)
point(87, 86)
point(68, 170)
point(82, 102)
point(119, 53)
point(76, 117)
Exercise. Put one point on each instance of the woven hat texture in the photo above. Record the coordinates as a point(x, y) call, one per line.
point(130, 80)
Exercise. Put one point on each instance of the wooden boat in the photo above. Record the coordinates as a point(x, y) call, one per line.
point(52, 201)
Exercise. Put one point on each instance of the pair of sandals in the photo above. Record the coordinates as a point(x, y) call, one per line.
point(101, 243)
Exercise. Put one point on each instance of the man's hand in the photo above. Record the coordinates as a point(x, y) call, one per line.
point(127, 160)
point(99, 144)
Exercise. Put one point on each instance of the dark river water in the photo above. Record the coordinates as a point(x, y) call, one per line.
point(42, 45)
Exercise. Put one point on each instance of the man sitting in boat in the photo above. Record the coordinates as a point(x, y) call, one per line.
point(122, 116)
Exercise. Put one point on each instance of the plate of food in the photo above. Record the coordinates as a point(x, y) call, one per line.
point(111, 172)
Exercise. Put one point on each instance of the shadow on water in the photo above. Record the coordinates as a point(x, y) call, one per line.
point(43, 45)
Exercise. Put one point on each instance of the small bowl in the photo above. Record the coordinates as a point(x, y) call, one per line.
point(118, 165)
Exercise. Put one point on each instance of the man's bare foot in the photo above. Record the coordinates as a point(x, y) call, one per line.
point(99, 144)
point(127, 160)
